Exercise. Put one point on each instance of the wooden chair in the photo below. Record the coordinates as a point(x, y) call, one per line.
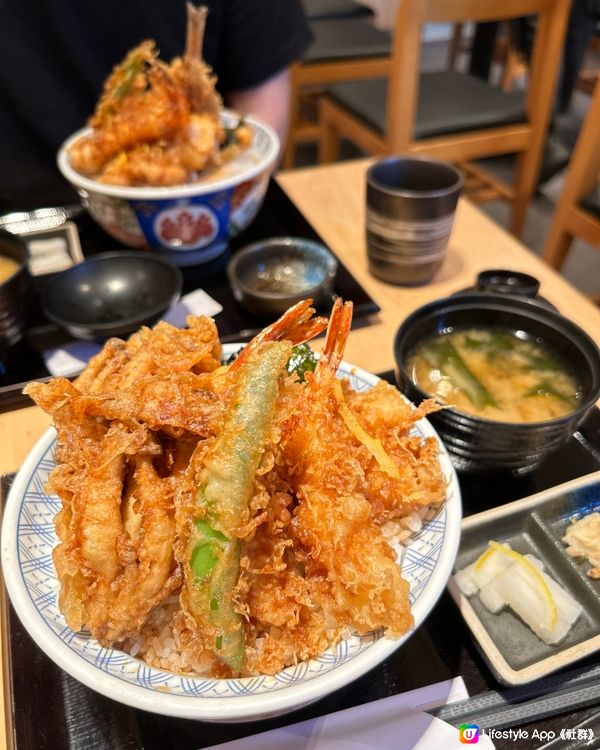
point(457, 45)
point(343, 49)
point(577, 213)
point(588, 77)
point(452, 115)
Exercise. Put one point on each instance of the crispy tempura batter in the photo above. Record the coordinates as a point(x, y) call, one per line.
point(385, 414)
point(140, 104)
point(158, 124)
point(333, 520)
point(140, 431)
point(117, 471)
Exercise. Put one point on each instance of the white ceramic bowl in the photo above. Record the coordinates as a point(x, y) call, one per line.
point(190, 223)
point(28, 538)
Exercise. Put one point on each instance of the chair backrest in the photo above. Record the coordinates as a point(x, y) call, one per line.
point(587, 148)
point(410, 19)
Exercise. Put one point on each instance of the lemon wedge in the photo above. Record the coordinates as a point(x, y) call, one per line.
point(526, 564)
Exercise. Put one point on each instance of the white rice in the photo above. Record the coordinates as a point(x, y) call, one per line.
point(158, 647)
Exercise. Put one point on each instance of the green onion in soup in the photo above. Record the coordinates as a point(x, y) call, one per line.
point(494, 374)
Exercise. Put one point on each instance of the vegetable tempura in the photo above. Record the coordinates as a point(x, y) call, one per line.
point(234, 519)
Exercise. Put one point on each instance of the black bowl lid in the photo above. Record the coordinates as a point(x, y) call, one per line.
point(505, 281)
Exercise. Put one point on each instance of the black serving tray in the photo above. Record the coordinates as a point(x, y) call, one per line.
point(277, 217)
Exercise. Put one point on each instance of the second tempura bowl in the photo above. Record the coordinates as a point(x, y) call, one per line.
point(189, 223)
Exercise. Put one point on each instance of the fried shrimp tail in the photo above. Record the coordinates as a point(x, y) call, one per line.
point(226, 483)
point(196, 23)
point(296, 325)
point(333, 520)
point(192, 71)
point(337, 335)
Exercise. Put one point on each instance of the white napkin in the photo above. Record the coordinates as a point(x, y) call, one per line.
point(48, 255)
point(197, 302)
point(394, 723)
point(71, 358)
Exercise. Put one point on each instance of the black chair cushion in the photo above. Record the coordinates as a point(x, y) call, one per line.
point(318, 10)
point(449, 102)
point(591, 202)
point(346, 38)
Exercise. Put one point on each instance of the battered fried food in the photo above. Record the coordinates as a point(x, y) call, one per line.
point(191, 72)
point(158, 124)
point(239, 509)
point(118, 467)
point(218, 517)
point(333, 520)
point(385, 414)
point(140, 104)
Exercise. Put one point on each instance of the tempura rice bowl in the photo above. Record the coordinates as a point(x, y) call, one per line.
point(190, 223)
point(28, 537)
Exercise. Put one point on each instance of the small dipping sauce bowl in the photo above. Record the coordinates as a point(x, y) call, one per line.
point(269, 276)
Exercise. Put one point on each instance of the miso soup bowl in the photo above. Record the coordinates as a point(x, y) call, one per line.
point(481, 445)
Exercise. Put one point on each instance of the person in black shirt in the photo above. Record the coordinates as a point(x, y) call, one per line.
point(55, 56)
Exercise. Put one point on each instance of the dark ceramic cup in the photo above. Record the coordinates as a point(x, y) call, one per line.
point(14, 291)
point(411, 202)
point(481, 445)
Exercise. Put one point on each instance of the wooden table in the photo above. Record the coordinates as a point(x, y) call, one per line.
point(332, 198)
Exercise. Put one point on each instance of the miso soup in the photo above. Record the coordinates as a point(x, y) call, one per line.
point(8, 267)
point(494, 374)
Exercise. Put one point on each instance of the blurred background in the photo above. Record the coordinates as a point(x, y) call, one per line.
point(501, 58)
